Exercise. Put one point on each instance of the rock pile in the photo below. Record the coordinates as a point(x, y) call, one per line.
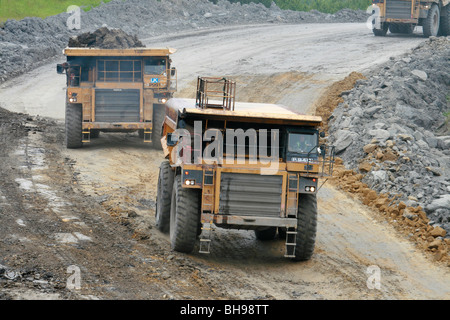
point(393, 129)
point(27, 43)
point(105, 39)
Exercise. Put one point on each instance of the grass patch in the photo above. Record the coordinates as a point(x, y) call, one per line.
point(19, 9)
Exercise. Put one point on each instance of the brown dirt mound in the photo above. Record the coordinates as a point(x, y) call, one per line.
point(333, 96)
point(105, 38)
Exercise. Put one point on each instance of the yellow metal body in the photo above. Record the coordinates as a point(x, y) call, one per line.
point(406, 11)
point(89, 75)
point(256, 115)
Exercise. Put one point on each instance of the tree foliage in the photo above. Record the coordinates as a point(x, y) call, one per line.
point(327, 6)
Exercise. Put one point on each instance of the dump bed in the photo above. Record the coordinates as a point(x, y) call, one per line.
point(246, 112)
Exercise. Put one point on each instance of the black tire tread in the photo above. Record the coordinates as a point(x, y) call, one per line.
point(73, 125)
point(306, 227)
point(444, 27)
point(164, 197)
point(183, 230)
point(428, 23)
point(159, 113)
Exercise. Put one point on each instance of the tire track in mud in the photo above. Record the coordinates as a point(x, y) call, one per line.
point(60, 227)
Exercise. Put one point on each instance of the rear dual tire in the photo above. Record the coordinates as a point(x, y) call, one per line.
point(381, 32)
point(306, 228)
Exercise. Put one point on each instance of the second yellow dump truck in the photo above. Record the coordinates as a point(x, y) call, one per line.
point(238, 165)
point(116, 90)
point(402, 16)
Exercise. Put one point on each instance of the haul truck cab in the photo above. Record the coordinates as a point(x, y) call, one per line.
point(242, 166)
point(116, 90)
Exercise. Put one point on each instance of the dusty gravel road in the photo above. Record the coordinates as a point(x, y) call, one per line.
point(94, 207)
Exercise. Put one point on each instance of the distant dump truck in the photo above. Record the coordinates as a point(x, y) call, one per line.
point(241, 166)
point(116, 90)
point(402, 16)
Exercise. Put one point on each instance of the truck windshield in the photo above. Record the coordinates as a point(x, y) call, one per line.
point(155, 66)
point(302, 143)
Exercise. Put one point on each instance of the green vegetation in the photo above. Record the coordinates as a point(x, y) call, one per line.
point(327, 6)
point(19, 9)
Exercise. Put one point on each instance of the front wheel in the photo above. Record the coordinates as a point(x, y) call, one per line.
point(73, 126)
point(431, 23)
point(184, 217)
point(306, 227)
point(164, 196)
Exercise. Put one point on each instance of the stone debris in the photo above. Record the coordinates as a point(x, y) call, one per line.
point(397, 130)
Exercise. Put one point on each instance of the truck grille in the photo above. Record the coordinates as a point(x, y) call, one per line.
point(117, 106)
point(398, 9)
point(250, 194)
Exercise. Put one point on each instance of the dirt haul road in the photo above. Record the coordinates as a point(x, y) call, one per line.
point(93, 208)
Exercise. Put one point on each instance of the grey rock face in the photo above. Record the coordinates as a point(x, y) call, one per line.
point(397, 114)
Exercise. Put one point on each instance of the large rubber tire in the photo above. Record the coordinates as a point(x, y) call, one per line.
point(184, 217)
point(164, 196)
point(432, 22)
point(95, 134)
point(266, 234)
point(394, 28)
point(444, 27)
point(381, 32)
point(406, 28)
point(159, 113)
point(73, 124)
point(306, 227)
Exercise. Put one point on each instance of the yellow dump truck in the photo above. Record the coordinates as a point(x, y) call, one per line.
point(116, 90)
point(237, 165)
point(402, 16)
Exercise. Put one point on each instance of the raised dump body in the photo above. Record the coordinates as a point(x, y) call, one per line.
point(116, 90)
point(240, 165)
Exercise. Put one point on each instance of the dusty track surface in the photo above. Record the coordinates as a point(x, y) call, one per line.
point(94, 208)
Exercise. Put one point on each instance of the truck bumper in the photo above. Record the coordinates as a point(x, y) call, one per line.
point(248, 221)
point(117, 125)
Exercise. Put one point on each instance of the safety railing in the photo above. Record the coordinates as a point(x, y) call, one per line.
point(215, 93)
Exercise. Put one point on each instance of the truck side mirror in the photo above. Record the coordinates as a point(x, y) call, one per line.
point(171, 141)
point(322, 150)
point(322, 134)
point(173, 71)
point(60, 69)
